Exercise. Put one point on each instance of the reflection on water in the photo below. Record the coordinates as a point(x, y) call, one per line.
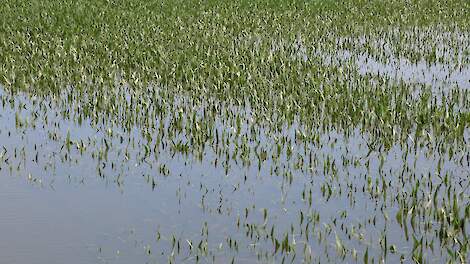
point(90, 193)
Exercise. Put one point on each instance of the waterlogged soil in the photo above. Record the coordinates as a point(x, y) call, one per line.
point(170, 206)
point(249, 132)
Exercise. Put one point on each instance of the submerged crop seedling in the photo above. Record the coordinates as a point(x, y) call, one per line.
point(246, 131)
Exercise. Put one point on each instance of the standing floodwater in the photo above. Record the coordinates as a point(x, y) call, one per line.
point(261, 132)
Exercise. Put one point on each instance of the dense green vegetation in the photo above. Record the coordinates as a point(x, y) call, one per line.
point(363, 105)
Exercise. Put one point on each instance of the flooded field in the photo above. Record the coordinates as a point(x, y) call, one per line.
point(246, 132)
